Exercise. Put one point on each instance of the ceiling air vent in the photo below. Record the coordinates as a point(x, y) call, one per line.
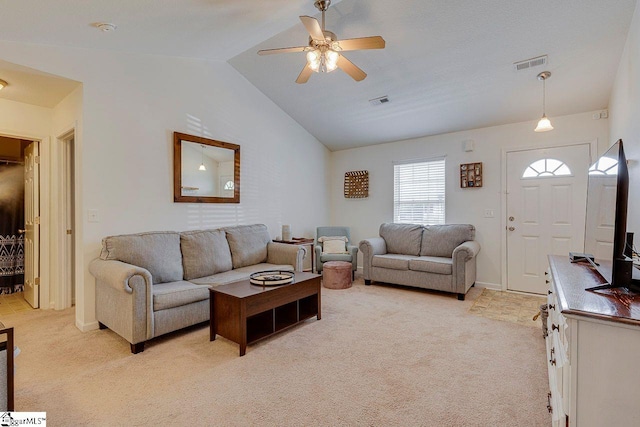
point(378, 101)
point(530, 63)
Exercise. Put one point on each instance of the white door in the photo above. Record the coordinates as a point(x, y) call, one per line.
point(32, 225)
point(546, 205)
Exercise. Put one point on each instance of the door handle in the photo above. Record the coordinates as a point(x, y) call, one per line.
point(21, 231)
point(512, 228)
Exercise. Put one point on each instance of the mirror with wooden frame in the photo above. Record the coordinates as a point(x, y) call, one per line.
point(205, 170)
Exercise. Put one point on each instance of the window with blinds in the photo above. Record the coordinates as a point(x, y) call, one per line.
point(419, 192)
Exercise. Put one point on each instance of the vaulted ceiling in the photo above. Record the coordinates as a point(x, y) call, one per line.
point(447, 65)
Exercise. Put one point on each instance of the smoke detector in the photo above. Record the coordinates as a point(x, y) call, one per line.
point(105, 27)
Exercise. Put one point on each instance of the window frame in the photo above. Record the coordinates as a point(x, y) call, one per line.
point(430, 200)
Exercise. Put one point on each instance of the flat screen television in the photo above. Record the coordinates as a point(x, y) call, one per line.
point(606, 220)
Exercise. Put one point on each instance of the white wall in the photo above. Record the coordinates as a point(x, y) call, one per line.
point(25, 120)
point(131, 106)
point(364, 216)
point(624, 109)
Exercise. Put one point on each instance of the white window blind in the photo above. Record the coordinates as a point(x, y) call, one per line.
point(419, 192)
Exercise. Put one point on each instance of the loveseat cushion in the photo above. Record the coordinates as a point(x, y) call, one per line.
point(248, 244)
point(402, 238)
point(441, 240)
point(204, 252)
point(432, 264)
point(392, 261)
point(176, 294)
point(158, 252)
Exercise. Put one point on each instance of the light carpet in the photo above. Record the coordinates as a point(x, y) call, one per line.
point(380, 356)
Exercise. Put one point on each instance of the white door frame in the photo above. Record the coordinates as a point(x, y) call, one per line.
point(61, 294)
point(593, 147)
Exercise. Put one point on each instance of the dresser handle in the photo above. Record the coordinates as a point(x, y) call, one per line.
point(556, 327)
point(552, 306)
point(552, 361)
point(546, 281)
point(546, 273)
point(549, 292)
point(549, 407)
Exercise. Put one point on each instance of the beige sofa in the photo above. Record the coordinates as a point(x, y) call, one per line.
point(150, 284)
point(439, 257)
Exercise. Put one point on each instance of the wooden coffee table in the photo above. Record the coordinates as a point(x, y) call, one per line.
point(245, 313)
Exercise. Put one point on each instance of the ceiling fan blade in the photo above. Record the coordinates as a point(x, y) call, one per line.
point(350, 68)
point(373, 42)
point(313, 27)
point(282, 50)
point(304, 74)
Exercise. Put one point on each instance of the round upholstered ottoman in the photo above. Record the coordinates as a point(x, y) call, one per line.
point(336, 275)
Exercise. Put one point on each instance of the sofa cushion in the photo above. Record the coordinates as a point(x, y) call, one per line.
point(441, 240)
point(248, 244)
point(158, 252)
point(402, 238)
point(204, 253)
point(393, 262)
point(432, 264)
point(176, 294)
point(238, 274)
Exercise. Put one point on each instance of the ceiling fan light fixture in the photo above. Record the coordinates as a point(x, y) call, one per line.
point(2, 84)
point(323, 60)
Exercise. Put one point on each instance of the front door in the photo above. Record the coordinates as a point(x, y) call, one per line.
point(546, 205)
point(32, 225)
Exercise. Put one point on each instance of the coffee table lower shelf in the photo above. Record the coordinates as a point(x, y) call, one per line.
point(246, 313)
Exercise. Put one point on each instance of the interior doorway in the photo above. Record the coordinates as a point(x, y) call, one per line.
point(546, 192)
point(19, 223)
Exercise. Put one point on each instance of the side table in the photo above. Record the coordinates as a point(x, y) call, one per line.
point(303, 241)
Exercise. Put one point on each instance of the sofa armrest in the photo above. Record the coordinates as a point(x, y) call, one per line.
point(118, 274)
point(466, 251)
point(369, 248)
point(283, 253)
point(124, 298)
point(464, 265)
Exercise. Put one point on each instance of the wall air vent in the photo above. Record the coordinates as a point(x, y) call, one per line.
point(530, 63)
point(378, 101)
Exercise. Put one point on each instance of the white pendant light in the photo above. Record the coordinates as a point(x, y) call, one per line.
point(544, 124)
point(2, 84)
point(202, 167)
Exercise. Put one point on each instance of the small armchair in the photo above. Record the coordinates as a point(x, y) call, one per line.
point(350, 254)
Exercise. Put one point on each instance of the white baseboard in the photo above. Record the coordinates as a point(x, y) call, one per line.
point(493, 286)
point(85, 327)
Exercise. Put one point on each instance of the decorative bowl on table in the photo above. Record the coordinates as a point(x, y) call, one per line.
point(271, 278)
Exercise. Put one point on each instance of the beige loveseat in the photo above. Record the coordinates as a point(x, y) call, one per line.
point(439, 257)
point(150, 284)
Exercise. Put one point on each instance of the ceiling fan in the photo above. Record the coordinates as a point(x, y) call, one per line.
point(324, 50)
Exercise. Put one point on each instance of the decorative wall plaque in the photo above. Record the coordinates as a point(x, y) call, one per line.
point(356, 184)
point(471, 175)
